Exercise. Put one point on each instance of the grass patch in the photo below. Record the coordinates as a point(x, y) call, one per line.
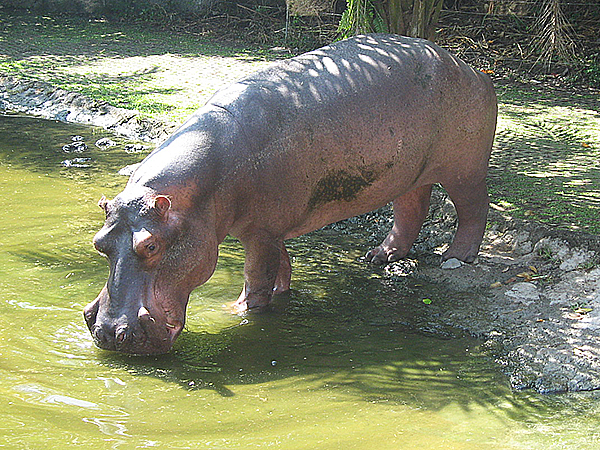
point(546, 162)
point(161, 74)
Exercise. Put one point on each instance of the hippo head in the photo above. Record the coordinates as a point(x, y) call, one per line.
point(156, 258)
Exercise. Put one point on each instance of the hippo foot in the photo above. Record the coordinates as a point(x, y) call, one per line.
point(237, 307)
point(465, 254)
point(384, 254)
point(245, 303)
point(241, 308)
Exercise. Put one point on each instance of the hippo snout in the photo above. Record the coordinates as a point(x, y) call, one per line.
point(138, 334)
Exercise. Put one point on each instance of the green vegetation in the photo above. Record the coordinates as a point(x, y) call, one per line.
point(159, 73)
point(546, 161)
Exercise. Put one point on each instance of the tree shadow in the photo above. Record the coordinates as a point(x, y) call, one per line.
point(375, 361)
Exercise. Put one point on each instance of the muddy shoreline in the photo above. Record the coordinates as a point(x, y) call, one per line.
point(43, 100)
point(532, 296)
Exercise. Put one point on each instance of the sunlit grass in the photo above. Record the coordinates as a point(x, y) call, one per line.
point(546, 162)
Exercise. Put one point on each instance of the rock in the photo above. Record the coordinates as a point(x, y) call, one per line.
point(75, 147)
point(523, 292)
point(105, 143)
point(135, 148)
point(577, 259)
point(44, 100)
point(553, 248)
point(451, 263)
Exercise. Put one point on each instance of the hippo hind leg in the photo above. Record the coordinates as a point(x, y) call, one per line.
point(471, 202)
point(410, 211)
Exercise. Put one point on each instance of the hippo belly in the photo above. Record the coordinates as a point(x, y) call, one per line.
point(309, 141)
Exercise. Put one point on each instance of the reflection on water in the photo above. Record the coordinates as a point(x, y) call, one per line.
point(334, 364)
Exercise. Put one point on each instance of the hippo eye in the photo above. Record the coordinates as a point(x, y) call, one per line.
point(144, 243)
point(148, 250)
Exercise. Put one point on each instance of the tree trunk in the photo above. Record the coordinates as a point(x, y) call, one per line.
point(415, 18)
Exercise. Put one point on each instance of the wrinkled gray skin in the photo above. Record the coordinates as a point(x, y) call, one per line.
point(312, 140)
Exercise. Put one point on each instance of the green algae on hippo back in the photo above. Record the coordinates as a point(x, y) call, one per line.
point(307, 142)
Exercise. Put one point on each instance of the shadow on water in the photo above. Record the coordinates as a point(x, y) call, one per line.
point(391, 364)
point(353, 338)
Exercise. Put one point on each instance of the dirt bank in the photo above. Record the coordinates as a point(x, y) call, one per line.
point(43, 100)
point(532, 297)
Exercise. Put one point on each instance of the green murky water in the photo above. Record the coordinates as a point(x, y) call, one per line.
point(333, 366)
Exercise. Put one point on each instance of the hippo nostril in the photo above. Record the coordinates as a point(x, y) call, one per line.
point(121, 334)
point(100, 335)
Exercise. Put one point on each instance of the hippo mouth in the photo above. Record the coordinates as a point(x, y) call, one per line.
point(143, 334)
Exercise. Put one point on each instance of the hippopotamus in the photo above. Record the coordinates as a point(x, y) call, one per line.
point(306, 142)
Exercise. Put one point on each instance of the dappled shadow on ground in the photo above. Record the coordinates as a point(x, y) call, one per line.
point(24, 36)
point(545, 161)
point(150, 70)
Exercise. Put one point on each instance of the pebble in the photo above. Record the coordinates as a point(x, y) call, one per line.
point(76, 162)
point(105, 143)
point(75, 147)
point(451, 263)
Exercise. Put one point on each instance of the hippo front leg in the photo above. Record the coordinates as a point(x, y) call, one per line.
point(284, 274)
point(267, 270)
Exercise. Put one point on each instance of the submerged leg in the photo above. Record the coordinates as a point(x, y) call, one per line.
point(261, 269)
point(410, 211)
point(284, 274)
point(471, 203)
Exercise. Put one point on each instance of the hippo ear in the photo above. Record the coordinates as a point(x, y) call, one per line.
point(162, 204)
point(103, 203)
